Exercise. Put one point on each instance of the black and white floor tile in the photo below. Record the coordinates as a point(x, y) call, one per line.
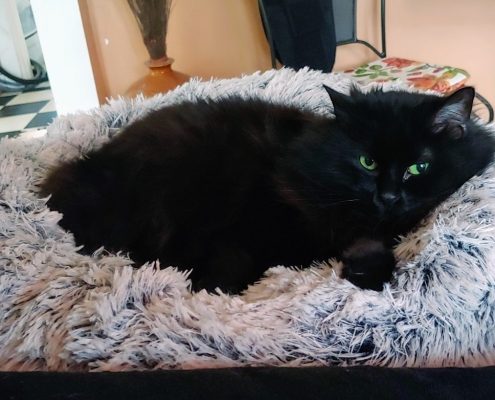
point(27, 113)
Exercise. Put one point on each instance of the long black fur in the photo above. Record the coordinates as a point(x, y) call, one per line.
point(231, 187)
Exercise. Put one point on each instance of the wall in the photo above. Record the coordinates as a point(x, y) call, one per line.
point(207, 38)
point(452, 32)
point(224, 38)
point(28, 27)
point(14, 56)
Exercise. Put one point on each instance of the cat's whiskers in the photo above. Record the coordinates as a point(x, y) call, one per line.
point(341, 202)
point(299, 198)
point(295, 195)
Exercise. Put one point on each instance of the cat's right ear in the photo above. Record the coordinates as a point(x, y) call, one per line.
point(339, 100)
point(454, 113)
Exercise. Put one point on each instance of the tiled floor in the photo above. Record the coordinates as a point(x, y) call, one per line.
point(26, 113)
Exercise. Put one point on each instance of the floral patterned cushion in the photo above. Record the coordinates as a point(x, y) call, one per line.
point(420, 75)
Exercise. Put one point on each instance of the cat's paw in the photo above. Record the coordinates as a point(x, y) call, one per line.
point(368, 265)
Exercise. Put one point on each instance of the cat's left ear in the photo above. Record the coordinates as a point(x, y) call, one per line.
point(454, 113)
point(340, 102)
point(336, 97)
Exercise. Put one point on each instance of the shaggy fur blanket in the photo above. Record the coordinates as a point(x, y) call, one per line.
point(60, 310)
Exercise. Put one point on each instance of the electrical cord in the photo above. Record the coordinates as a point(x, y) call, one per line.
point(15, 83)
point(10, 86)
point(38, 72)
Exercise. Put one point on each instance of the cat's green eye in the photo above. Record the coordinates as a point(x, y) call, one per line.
point(418, 169)
point(368, 163)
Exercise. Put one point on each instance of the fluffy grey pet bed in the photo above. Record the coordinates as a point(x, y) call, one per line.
point(60, 310)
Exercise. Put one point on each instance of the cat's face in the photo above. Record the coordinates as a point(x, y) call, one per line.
point(400, 174)
point(400, 154)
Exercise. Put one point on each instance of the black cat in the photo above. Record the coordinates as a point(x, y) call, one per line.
point(231, 187)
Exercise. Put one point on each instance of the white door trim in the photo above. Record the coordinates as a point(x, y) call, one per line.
point(66, 55)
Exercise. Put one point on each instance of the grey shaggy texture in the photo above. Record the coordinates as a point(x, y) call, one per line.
point(60, 310)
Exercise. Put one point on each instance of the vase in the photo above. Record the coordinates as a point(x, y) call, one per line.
point(152, 18)
point(159, 79)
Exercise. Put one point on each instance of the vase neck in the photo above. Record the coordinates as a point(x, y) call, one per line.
point(158, 63)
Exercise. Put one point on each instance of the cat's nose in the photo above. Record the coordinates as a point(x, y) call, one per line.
point(389, 199)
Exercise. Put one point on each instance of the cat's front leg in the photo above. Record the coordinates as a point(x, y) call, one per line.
point(368, 264)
